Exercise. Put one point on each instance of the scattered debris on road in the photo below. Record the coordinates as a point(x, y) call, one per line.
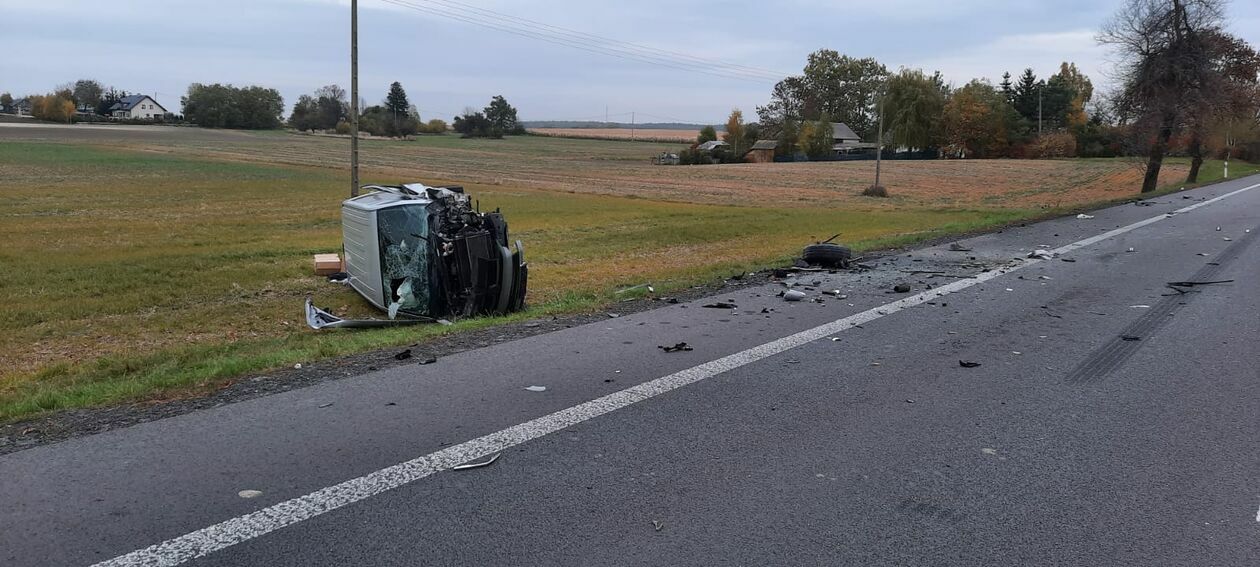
point(968, 363)
point(430, 360)
point(1193, 283)
point(1084, 216)
point(249, 494)
point(404, 355)
point(658, 526)
point(793, 295)
point(536, 388)
point(720, 305)
point(680, 347)
point(326, 405)
point(1040, 254)
point(1130, 337)
point(485, 463)
point(901, 288)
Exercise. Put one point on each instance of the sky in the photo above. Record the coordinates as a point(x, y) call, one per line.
point(158, 47)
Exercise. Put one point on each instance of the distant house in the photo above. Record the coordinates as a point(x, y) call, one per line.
point(20, 107)
point(845, 141)
point(137, 106)
point(711, 145)
point(762, 151)
point(841, 133)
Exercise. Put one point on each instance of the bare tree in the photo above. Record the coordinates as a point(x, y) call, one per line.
point(1165, 67)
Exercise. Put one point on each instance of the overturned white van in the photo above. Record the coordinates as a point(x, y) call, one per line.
point(420, 251)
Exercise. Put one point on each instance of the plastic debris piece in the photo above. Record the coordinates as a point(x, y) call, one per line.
point(297, 366)
point(1140, 306)
point(968, 364)
point(648, 287)
point(326, 405)
point(430, 360)
point(485, 463)
point(902, 288)
point(658, 526)
point(317, 318)
point(249, 493)
point(1194, 283)
point(680, 347)
point(1084, 216)
point(536, 388)
point(793, 295)
point(1041, 254)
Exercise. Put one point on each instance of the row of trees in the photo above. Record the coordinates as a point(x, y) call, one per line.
point(227, 106)
point(1187, 85)
point(922, 112)
point(329, 109)
point(496, 120)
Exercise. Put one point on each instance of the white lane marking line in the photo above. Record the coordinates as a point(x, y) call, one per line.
point(256, 524)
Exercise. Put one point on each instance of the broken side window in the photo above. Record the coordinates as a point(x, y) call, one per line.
point(404, 234)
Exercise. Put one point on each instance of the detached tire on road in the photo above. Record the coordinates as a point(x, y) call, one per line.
point(827, 255)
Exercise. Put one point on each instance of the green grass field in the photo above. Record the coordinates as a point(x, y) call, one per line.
point(136, 274)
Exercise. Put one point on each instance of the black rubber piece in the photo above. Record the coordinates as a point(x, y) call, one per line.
point(827, 255)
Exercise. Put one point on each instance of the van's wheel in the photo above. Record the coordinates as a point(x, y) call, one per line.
point(827, 255)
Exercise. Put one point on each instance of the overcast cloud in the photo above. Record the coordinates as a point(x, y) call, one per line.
point(160, 46)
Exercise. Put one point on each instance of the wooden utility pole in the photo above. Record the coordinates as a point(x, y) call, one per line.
point(879, 140)
point(354, 98)
point(1038, 110)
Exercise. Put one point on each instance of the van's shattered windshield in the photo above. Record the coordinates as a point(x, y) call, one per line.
point(404, 234)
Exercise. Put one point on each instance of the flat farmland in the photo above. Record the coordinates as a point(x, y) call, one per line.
point(651, 135)
point(160, 262)
point(624, 169)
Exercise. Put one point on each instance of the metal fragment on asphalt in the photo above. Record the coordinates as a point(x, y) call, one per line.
point(485, 463)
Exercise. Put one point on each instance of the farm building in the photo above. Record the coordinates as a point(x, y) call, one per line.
point(762, 151)
point(841, 133)
point(845, 141)
point(712, 145)
point(137, 106)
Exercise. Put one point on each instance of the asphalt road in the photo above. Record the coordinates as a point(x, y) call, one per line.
point(1112, 421)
